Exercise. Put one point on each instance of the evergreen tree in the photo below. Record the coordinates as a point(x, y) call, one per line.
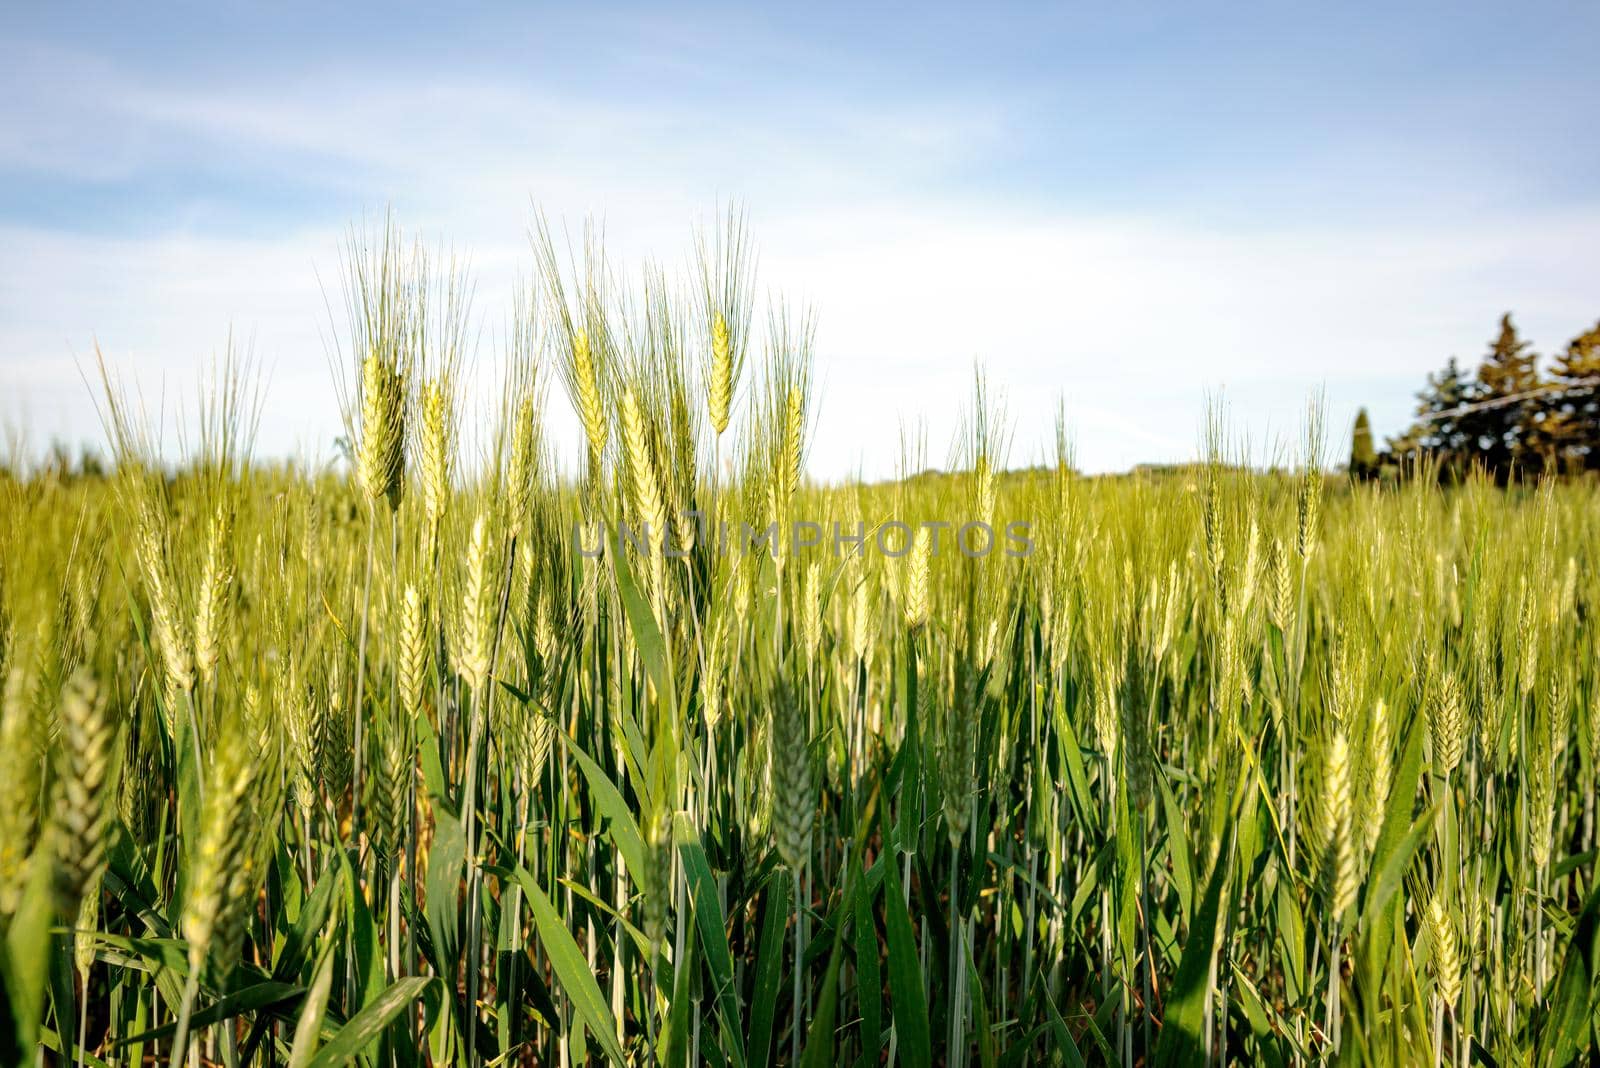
point(1572, 416)
point(1504, 428)
point(1363, 456)
point(1441, 430)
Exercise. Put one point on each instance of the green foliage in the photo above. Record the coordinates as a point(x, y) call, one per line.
point(1509, 418)
point(1078, 805)
point(1363, 453)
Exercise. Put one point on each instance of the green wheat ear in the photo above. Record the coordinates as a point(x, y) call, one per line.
point(413, 652)
point(381, 457)
point(657, 876)
point(1446, 955)
point(811, 610)
point(919, 565)
point(524, 456)
point(80, 813)
point(644, 488)
point(720, 394)
point(223, 859)
point(1380, 771)
point(1340, 873)
point(151, 537)
point(474, 627)
point(793, 804)
point(954, 748)
point(19, 786)
point(388, 788)
point(216, 577)
point(591, 407)
point(438, 446)
point(794, 435)
point(1447, 724)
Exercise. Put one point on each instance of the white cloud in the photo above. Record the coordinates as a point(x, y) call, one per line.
point(1135, 321)
point(160, 310)
point(1135, 318)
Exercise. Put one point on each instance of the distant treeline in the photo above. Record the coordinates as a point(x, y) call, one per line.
point(1511, 418)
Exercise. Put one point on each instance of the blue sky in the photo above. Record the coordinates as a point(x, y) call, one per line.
point(1133, 209)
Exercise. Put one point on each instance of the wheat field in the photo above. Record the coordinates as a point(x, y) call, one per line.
point(476, 747)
